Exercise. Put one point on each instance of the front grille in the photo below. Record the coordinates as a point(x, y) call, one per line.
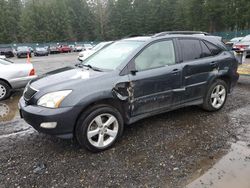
point(29, 92)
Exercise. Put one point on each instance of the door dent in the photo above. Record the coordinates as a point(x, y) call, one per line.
point(125, 92)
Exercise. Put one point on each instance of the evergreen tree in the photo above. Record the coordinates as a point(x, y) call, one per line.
point(81, 20)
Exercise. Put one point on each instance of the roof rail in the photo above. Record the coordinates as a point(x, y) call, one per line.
point(137, 35)
point(161, 34)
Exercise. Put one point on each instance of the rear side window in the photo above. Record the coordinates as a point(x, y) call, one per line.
point(214, 49)
point(191, 49)
point(205, 50)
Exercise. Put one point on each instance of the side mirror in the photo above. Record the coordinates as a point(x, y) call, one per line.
point(133, 71)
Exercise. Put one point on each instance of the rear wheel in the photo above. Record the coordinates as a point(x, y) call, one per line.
point(4, 90)
point(99, 128)
point(216, 96)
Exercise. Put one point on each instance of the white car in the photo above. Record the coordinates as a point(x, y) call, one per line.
point(87, 47)
point(85, 54)
point(234, 41)
point(2, 57)
point(14, 76)
point(78, 48)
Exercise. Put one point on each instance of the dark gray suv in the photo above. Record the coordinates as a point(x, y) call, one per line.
point(131, 79)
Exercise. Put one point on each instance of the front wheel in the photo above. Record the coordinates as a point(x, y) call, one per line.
point(99, 128)
point(216, 96)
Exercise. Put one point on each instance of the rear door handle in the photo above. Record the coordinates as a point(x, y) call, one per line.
point(175, 71)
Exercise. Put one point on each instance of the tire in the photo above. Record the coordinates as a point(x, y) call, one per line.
point(91, 132)
point(5, 90)
point(216, 96)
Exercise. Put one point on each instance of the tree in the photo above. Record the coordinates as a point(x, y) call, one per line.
point(79, 20)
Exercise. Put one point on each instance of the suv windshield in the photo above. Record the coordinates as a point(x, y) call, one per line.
point(112, 56)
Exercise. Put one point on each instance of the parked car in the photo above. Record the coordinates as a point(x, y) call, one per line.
point(14, 76)
point(78, 48)
point(64, 49)
point(239, 47)
point(7, 51)
point(85, 54)
point(233, 41)
point(2, 57)
point(72, 47)
point(31, 49)
point(41, 52)
point(87, 47)
point(129, 80)
point(54, 49)
point(23, 51)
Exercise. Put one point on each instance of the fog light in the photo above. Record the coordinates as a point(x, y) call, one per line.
point(49, 125)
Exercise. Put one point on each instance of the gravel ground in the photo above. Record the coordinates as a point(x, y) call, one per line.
point(168, 150)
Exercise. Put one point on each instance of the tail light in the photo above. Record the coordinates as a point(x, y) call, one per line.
point(241, 46)
point(32, 72)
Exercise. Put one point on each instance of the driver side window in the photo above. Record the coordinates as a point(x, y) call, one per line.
point(159, 54)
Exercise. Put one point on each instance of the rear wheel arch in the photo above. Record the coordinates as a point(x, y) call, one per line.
point(227, 80)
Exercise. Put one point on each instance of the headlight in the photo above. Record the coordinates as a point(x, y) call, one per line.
point(54, 99)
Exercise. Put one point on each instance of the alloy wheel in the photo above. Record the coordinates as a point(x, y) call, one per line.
point(3, 91)
point(218, 96)
point(103, 130)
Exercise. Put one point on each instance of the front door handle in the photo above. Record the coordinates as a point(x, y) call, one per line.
point(214, 64)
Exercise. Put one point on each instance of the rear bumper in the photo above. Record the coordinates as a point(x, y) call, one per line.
point(239, 51)
point(18, 83)
point(65, 118)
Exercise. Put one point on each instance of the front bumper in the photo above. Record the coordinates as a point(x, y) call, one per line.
point(64, 117)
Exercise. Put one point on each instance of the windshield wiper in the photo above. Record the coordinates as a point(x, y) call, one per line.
point(80, 65)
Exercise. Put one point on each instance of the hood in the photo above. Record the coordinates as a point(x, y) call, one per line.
point(65, 78)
